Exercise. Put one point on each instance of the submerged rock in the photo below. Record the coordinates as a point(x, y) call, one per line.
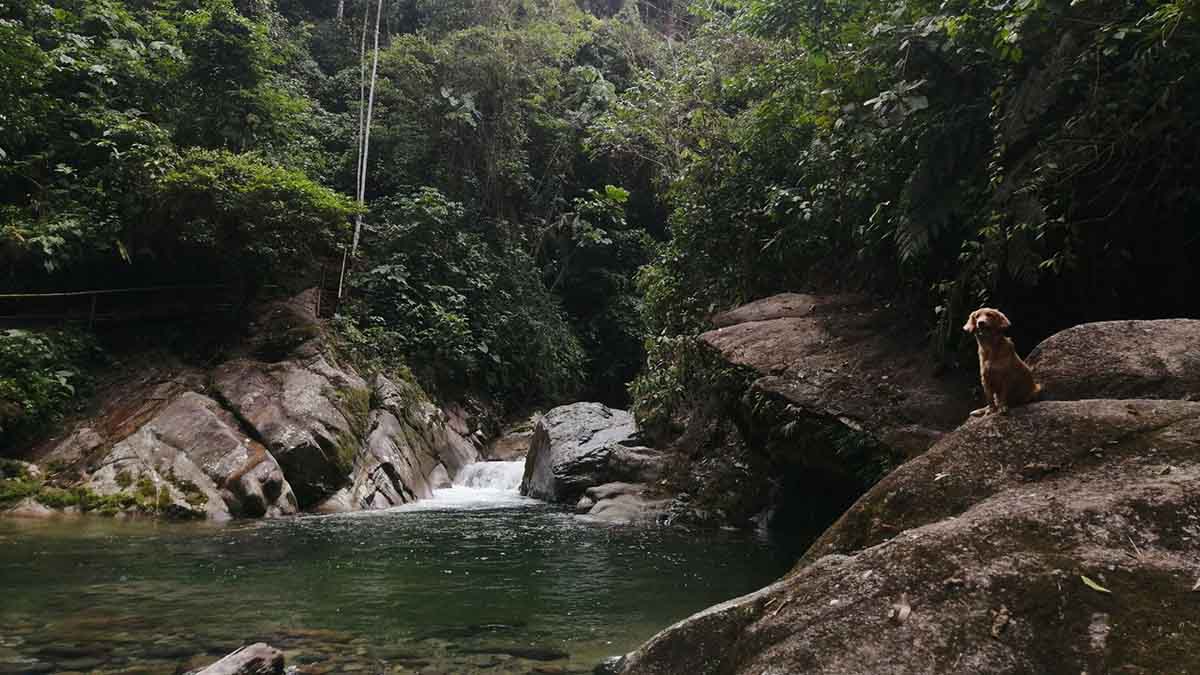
point(1058, 538)
point(581, 445)
point(256, 659)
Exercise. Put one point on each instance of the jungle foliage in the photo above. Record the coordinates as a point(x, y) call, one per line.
point(1036, 154)
point(559, 193)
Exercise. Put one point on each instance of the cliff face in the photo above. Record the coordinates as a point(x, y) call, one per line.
point(1057, 538)
point(279, 427)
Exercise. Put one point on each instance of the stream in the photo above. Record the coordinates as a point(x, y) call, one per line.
point(476, 580)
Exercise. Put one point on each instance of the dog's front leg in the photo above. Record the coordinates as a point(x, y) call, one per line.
point(988, 396)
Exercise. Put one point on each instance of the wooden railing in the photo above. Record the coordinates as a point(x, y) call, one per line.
point(116, 304)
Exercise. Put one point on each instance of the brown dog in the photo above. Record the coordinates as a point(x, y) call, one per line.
point(1007, 380)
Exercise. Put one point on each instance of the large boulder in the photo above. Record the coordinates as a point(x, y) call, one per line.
point(1121, 359)
point(846, 361)
point(311, 415)
point(581, 445)
point(1059, 538)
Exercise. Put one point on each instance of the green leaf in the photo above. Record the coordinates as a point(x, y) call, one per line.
point(1093, 585)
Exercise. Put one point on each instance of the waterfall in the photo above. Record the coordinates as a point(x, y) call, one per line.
point(482, 485)
point(492, 475)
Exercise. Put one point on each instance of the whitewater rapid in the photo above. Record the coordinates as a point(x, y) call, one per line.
point(478, 486)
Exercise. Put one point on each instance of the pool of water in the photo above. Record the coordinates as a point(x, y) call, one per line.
point(476, 580)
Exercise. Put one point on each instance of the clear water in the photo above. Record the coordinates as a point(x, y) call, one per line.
point(476, 580)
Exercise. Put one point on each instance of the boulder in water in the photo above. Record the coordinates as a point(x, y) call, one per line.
point(623, 503)
point(581, 445)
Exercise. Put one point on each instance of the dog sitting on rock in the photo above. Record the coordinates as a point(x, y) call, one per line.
point(1007, 380)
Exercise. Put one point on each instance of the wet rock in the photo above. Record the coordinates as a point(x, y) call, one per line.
point(256, 659)
point(1121, 359)
point(623, 503)
point(581, 445)
point(959, 561)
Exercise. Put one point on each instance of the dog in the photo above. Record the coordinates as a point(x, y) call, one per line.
point(1007, 380)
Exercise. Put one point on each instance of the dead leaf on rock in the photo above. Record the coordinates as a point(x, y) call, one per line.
point(1093, 585)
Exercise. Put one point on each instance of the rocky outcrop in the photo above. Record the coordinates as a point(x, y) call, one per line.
point(1121, 359)
point(1057, 538)
point(407, 450)
point(798, 403)
point(582, 445)
point(256, 659)
point(278, 428)
point(845, 360)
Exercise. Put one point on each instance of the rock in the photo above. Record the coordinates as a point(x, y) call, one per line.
point(959, 561)
point(30, 508)
point(190, 459)
point(581, 445)
point(403, 448)
point(623, 503)
point(1121, 359)
point(439, 479)
point(310, 415)
point(847, 360)
point(277, 428)
point(510, 446)
point(256, 659)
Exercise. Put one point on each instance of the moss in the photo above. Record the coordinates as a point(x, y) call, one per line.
point(60, 498)
point(11, 468)
point(345, 450)
point(13, 490)
point(124, 479)
point(355, 405)
point(192, 493)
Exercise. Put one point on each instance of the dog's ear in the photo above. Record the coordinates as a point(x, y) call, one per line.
point(1004, 322)
point(969, 326)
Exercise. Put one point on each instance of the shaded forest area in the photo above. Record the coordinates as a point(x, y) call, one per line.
point(558, 194)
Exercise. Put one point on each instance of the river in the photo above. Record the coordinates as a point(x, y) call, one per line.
point(475, 580)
